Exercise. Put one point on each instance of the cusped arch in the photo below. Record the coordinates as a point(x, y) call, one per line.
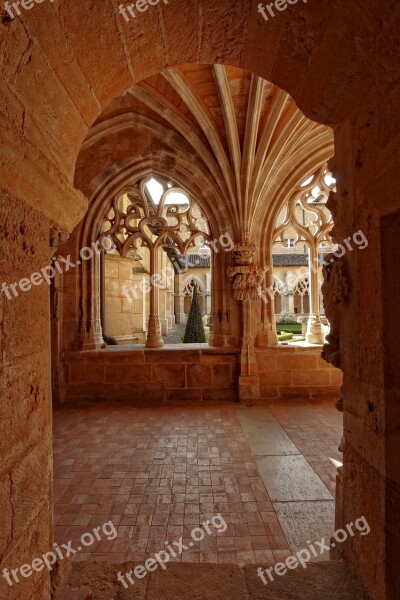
point(187, 286)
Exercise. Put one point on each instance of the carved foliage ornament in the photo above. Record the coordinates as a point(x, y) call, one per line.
point(247, 278)
point(336, 291)
point(337, 286)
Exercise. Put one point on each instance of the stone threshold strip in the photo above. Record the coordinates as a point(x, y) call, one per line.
point(302, 557)
point(163, 557)
point(50, 271)
point(51, 558)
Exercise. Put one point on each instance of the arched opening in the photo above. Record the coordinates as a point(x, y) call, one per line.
point(188, 295)
point(223, 153)
point(301, 246)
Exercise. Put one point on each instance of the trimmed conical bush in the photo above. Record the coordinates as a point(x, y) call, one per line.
point(194, 333)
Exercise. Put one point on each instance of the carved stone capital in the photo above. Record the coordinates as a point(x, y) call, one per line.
point(243, 253)
point(247, 281)
point(247, 277)
point(336, 291)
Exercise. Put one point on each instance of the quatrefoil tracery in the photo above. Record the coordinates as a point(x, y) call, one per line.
point(318, 221)
point(133, 220)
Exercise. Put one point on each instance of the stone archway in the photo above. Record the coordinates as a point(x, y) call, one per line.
point(56, 78)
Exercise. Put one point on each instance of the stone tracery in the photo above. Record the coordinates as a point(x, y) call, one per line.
point(171, 222)
point(306, 220)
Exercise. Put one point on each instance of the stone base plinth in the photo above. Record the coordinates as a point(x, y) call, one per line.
point(315, 333)
point(249, 388)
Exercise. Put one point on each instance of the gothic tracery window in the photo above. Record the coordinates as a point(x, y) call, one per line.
point(305, 222)
point(153, 224)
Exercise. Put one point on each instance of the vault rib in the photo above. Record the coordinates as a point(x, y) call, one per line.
point(231, 129)
point(208, 126)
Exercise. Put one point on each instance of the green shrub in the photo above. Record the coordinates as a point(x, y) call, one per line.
point(194, 333)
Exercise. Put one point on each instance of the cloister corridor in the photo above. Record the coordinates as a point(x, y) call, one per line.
point(199, 300)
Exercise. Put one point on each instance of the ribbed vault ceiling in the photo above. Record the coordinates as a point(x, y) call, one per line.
point(242, 139)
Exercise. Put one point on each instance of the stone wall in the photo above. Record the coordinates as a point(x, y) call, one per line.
point(369, 339)
point(25, 441)
point(296, 372)
point(125, 305)
point(146, 376)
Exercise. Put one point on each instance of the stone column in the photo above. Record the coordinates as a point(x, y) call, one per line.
point(171, 311)
point(154, 337)
point(267, 335)
point(290, 302)
point(207, 304)
point(98, 329)
point(163, 310)
point(207, 299)
point(249, 387)
point(179, 300)
point(315, 332)
point(247, 280)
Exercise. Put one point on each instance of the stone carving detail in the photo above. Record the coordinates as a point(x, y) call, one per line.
point(336, 291)
point(133, 221)
point(172, 221)
point(339, 406)
point(57, 238)
point(189, 287)
point(247, 278)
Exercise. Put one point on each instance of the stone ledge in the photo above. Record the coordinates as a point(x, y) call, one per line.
point(139, 349)
point(272, 394)
point(290, 349)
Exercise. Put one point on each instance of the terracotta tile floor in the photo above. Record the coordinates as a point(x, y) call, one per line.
point(159, 473)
